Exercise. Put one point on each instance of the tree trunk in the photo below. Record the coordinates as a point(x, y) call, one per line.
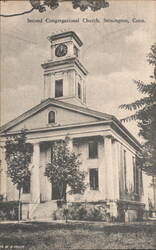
point(64, 192)
point(19, 206)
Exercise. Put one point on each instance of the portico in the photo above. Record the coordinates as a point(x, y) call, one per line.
point(108, 187)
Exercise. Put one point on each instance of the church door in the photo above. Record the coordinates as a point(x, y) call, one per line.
point(55, 192)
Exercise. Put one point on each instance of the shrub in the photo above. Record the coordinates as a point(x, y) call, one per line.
point(87, 212)
point(82, 213)
point(1, 197)
point(95, 214)
point(3, 215)
point(8, 210)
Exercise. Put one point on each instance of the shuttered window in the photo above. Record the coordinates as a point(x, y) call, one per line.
point(59, 88)
point(93, 149)
point(79, 90)
point(125, 170)
point(26, 186)
point(135, 176)
point(94, 180)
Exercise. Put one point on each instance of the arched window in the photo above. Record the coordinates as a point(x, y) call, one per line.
point(51, 117)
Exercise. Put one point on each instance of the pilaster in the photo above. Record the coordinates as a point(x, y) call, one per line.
point(47, 85)
point(52, 86)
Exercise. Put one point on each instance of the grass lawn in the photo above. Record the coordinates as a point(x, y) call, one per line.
point(77, 235)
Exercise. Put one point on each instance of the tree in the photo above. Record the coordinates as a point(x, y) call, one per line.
point(18, 155)
point(41, 5)
point(145, 115)
point(63, 170)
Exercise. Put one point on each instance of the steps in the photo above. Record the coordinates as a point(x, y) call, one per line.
point(45, 210)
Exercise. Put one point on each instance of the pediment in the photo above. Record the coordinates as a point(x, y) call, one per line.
point(65, 114)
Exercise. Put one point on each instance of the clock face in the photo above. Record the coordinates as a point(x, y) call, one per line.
point(61, 50)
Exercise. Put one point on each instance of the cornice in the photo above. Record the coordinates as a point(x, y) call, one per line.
point(59, 127)
point(72, 61)
point(64, 35)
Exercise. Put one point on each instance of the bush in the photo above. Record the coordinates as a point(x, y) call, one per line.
point(95, 214)
point(9, 210)
point(1, 197)
point(86, 212)
point(3, 215)
point(82, 213)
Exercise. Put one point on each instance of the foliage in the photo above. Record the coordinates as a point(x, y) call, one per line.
point(145, 115)
point(64, 170)
point(41, 5)
point(9, 210)
point(18, 157)
point(88, 212)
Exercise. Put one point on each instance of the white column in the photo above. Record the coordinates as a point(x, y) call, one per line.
point(3, 174)
point(70, 147)
point(70, 144)
point(48, 184)
point(116, 169)
point(35, 174)
point(108, 162)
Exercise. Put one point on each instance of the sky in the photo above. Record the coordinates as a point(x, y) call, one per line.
point(113, 53)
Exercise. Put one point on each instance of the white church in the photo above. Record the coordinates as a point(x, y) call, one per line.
point(108, 150)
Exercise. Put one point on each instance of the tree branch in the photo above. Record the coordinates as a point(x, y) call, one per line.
point(18, 14)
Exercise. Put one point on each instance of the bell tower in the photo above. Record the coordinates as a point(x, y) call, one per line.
point(64, 75)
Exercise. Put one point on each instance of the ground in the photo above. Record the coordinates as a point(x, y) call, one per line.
point(77, 235)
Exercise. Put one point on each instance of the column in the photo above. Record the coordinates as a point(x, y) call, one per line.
point(116, 168)
point(35, 174)
point(47, 189)
point(70, 144)
point(3, 174)
point(70, 147)
point(108, 162)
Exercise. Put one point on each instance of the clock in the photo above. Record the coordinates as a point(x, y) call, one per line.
point(61, 50)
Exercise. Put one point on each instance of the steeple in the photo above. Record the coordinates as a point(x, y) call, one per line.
point(64, 75)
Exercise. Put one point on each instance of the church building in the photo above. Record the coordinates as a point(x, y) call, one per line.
point(108, 150)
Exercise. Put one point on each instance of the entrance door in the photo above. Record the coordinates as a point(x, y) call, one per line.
point(55, 192)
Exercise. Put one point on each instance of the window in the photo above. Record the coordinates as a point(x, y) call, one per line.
point(59, 88)
point(135, 176)
point(51, 117)
point(125, 170)
point(93, 150)
point(94, 181)
point(141, 182)
point(51, 153)
point(26, 186)
point(79, 90)
point(75, 51)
